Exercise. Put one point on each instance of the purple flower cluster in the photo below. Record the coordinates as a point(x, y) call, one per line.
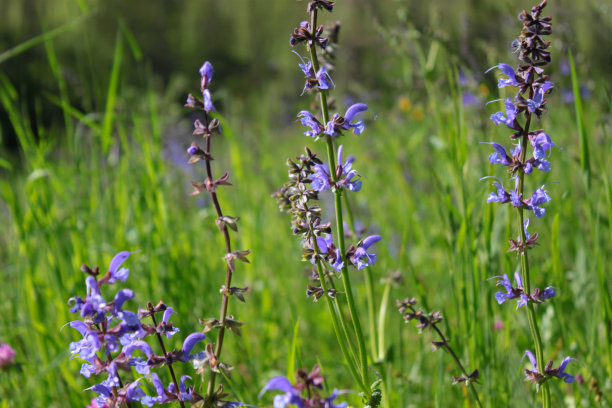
point(345, 176)
point(518, 292)
point(336, 124)
point(111, 336)
point(528, 104)
point(536, 377)
point(309, 382)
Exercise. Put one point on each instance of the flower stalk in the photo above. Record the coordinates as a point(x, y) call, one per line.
point(331, 154)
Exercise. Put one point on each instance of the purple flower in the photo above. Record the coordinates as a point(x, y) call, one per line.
point(509, 72)
point(538, 99)
point(509, 118)
point(346, 175)
point(329, 402)
point(541, 144)
point(538, 198)
point(167, 313)
point(291, 396)
point(499, 196)
point(568, 378)
point(321, 178)
point(185, 393)
point(192, 150)
point(361, 258)
point(326, 246)
point(308, 120)
point(113, 268)
point(189, 343)
point(120, 298)
point(161, 393)
point(338, 123)
point(206, 72)
point(499, 156)
point(208, 105)
point(511, 292)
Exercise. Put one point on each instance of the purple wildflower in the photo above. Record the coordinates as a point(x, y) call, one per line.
point(361, 258)
point(499, 196)
point(189, 343)
point(509, 72)
point(538, 198)
point(326, 246)
point(338, 123)
point(161, 393)
point(206, 72)
point(509, 118)
point(346, 174)
point(321, 178)
point(291, 394)
point(308, 120)
point(499, 156)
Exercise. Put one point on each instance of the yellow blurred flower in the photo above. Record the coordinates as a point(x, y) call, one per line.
point(483, 91)
point(404, 104)
point(418, 114)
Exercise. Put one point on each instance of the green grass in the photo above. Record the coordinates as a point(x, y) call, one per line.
point(102, 181)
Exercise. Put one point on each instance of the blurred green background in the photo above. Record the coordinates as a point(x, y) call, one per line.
point(92, 162)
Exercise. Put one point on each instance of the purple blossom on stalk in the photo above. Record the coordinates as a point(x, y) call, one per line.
point(307, 119)
point(338, 123)
point(322, 180)
point(361, 258)
point(510, 117)
point(535, 376)
point(291, 395)
point(499, 156)
point(538, 198)
point(326, 245)
point(509, 72)
point(321, 78)
point(538, 99)
point(541, 144)
point(189, 343)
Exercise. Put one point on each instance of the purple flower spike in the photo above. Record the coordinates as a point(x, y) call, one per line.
point(509, 72)
point(361, 257)
point(291, 396)
point(351, 112)
point(502, 297)
point(189, 343)
point(206, 72)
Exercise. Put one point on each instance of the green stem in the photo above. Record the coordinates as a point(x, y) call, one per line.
point(334, 314)
point(533, 324)
point(339, 225)
point(369, 286)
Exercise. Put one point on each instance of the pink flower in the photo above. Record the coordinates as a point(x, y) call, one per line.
point(7, 355)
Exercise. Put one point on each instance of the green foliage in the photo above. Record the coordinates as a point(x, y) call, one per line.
point(106, 177)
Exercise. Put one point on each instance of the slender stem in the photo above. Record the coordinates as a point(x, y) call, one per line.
point(169, 364)
point(448, 348)
point(228, 272)
point(369, 286)
point(332, 312)
point(533, 324)
point(344, 324)
point(339, 225)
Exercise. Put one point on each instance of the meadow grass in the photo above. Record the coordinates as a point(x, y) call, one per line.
point(110, 180)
